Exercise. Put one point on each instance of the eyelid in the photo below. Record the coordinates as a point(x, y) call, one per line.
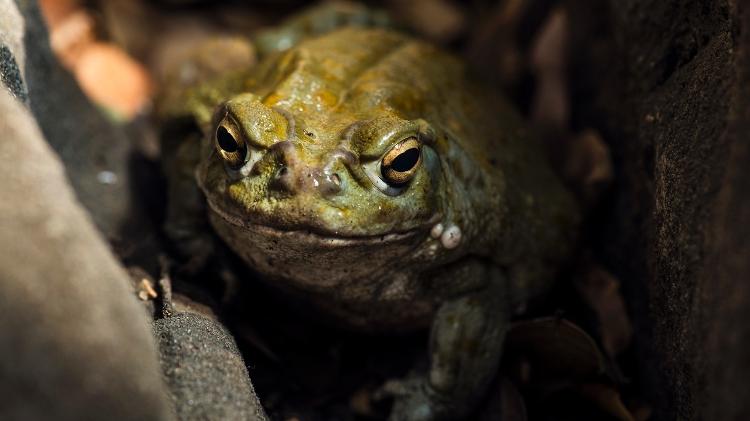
point(224, 117)
point(253, 151)
point(415, 128)
point(228, 121)
point(260, 125)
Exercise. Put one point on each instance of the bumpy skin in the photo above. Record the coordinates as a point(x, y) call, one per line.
point(481, 226)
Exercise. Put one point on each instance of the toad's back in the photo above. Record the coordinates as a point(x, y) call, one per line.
point(358, 72)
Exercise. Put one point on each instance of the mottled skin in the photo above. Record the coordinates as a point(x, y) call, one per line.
point(309, 210)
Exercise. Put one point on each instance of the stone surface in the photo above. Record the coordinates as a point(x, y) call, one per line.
point(204, 370)
point(666, 82)
point(95, 153)
point(75, 343)
point(10, 74)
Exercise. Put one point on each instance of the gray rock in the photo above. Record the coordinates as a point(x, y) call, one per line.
point(75, 343)
point(205, 371)
point(10, 74)
point(95, 152)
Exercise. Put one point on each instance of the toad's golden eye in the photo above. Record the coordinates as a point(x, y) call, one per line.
point(230, 144)
point(400, 163)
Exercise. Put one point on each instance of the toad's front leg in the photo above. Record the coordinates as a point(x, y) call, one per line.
point(465, 346)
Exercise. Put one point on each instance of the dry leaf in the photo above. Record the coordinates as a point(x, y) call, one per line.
point(588, 165)
point(112, 79)
point(361, 402)
point(601, 291)
point(439, 20)
point(551, 103)
point(505, 403)
point(556, 348)
point(607, 399)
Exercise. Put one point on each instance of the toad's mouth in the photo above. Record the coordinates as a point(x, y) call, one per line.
point(320, 236)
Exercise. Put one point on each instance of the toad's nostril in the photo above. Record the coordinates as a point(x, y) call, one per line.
point(285, 152)
point(282, 180)
point(329, 184)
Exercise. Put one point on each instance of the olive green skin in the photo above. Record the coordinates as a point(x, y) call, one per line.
point(326, 111)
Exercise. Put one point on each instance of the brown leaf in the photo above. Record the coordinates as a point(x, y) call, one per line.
point(57, 11)
point(72, 35)
point(493, 49)
point(555, 348)
point(607, 399)
point(505, 403)
point(112, 79)
point(251, 336)
point(438, 20)
point(588, 165)
point(551, 103)
point(601, 291)
point(360, 402)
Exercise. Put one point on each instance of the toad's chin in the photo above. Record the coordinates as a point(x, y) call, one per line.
point(324, 240)
point(314, 235)
point(314, 260)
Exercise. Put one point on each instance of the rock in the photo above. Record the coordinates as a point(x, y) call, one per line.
point(204, 370)
point(667, 83)
point(10, 74)
point(95, 153)
point(76, 344)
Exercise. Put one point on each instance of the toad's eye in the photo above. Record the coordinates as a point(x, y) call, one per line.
point(230, 144)
point(400, 163)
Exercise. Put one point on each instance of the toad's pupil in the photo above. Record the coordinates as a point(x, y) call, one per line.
point(406, 160)
point(226, 141)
